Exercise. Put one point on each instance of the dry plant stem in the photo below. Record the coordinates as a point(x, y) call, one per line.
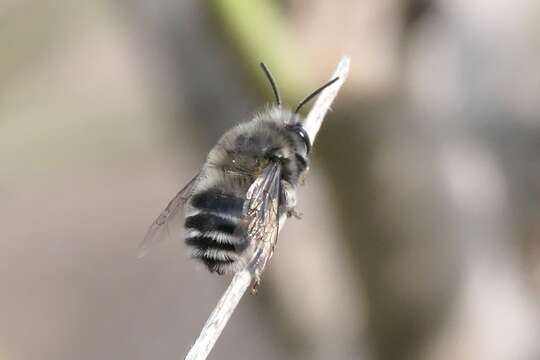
point(316, 115)
point(242, 280)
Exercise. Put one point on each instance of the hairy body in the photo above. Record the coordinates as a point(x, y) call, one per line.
point(234, 204)
point(214, 225)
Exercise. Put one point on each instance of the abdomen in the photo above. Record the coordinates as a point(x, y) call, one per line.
point(214, 230)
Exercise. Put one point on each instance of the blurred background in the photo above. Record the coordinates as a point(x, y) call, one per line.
point(420, 237)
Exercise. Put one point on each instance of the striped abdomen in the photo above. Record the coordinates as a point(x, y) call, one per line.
point(213, 229)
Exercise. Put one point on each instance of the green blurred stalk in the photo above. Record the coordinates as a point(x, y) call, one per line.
point(259, 32)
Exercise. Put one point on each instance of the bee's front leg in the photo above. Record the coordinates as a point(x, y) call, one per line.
point(289, 199)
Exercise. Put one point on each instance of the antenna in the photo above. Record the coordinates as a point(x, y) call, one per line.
point(275, 88)
point(313, 94)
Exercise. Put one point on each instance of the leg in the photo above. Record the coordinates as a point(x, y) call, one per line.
point(289, 200)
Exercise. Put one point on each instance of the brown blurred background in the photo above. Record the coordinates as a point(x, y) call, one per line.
point(420, 235)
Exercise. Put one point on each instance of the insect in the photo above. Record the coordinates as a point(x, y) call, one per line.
point(233, 206)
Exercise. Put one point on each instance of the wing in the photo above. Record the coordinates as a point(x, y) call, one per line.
point(152, 235)
point(261, 214)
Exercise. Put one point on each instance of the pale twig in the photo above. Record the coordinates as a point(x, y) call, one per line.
point(241, 281)
point(315, 118)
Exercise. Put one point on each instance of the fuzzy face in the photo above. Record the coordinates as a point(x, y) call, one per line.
point(274, 135)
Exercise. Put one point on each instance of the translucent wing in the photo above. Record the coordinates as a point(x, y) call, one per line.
point(261, 214)
point(153, 234)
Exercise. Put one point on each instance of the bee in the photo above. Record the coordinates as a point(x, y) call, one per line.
point(245, 187)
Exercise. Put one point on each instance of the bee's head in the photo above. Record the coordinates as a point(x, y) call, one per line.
point(275, 134)
point(251, 146)
point(280, 133)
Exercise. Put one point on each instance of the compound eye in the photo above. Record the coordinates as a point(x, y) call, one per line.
point(301, 132)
